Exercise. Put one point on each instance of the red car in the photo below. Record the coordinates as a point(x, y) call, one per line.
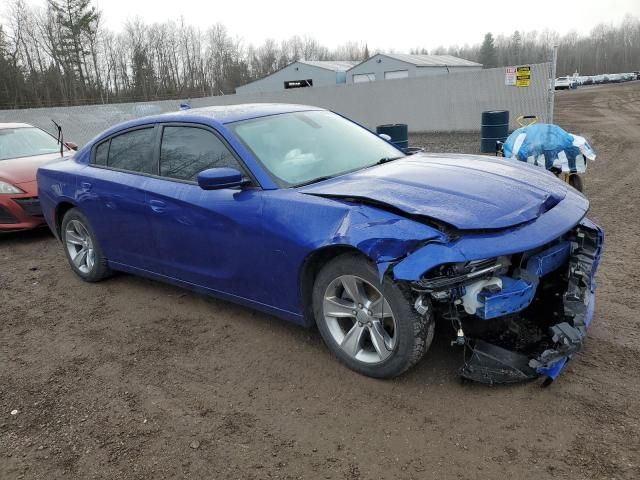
point(23, 148)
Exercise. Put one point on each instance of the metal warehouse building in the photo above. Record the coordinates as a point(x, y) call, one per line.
point(301, 74)
point(388, 66)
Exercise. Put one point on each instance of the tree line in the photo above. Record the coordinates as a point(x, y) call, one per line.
point(605, 49)
point(62, 54)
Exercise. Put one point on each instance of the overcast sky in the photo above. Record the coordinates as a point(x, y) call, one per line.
point(392, 24)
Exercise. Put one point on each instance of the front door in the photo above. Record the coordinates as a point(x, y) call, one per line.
point(207, 238)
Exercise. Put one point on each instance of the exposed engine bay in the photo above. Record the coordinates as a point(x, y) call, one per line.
point(517, 316)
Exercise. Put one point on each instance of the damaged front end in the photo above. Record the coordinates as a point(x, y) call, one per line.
point(522, 315)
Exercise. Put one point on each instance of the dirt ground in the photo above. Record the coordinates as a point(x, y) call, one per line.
point(133, 379)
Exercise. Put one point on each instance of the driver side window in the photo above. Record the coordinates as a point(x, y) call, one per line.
point(187, 151)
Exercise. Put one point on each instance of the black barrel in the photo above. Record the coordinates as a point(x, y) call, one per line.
point(399, 133)
point(494, 128)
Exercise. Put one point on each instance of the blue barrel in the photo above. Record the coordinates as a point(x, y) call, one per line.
point(399, 133)
point(494, 128)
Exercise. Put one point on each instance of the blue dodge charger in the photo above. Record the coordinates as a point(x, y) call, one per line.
point(306, 215)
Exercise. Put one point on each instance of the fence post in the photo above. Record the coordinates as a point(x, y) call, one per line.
point(552, 82)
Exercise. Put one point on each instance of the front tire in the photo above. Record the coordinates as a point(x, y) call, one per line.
point(82, 248)
point(376, 335)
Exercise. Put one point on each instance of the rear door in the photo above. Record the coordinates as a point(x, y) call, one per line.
point(208, 238)
point(112, 194)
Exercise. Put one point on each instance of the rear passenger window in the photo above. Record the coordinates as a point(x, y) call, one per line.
point(187, 151)
point(132, 151)
point(101, 153)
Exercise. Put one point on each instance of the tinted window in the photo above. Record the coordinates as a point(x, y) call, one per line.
point(133, 151)
point(101, 153)
point(187, 151)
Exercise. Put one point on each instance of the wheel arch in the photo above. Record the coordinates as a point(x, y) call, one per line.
point(61, 209)
point(311, 267)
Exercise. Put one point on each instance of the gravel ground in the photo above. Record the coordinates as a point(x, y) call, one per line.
point(133, 379)
point(463, 142)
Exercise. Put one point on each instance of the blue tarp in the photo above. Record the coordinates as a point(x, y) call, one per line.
point(548, 146)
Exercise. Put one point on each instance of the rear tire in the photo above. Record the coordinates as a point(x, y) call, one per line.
point(82, 248)
point(385, 336)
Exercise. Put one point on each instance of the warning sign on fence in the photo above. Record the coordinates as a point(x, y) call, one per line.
point(523, 76)
point(510, 76)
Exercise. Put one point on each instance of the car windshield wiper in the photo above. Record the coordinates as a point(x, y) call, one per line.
point(314, 180)
point(388, 159)
point(320, 179)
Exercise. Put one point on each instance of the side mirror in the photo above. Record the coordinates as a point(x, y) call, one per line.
point(217, 178)
point(384, 136)
point(71, 146)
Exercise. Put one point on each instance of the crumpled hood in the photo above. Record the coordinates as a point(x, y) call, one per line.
point(466, 191)
point(22, 170)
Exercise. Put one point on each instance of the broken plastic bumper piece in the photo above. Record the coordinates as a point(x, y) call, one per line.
point(504, 295)
point(515, 295)
point(491, 364)
point(549, 260)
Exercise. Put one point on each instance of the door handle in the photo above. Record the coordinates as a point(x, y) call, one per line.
point(85, 186)
point(157, 206)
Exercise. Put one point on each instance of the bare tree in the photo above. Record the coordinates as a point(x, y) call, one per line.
point(62, 54)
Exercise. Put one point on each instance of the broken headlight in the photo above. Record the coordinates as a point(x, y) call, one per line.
point(458, 274)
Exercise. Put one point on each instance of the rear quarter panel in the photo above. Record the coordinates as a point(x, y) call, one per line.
point(57, 183)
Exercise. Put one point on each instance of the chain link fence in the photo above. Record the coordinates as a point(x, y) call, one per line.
point(444, 103)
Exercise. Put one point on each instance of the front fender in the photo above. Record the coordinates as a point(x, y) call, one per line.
point(297, 226)
point(382, 236)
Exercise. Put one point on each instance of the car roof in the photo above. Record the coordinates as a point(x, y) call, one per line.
point(4, 126)
point(246, 111)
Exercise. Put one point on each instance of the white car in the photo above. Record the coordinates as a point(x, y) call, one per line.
point(562, 83)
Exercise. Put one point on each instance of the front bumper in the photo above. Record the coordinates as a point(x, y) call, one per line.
point(20, 212)
point(520, 315)
point(490, 363)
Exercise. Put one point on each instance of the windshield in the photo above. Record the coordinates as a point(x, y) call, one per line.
point(300, 147)
point(25, 142)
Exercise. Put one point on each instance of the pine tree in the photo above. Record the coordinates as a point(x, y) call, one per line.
point(77, 21)
point(488, 52)
point(12, 78)
point(365, 55)
point(516, 48)
point(6, 78)
point(143, 74)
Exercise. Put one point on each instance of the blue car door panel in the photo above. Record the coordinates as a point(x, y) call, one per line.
point(209, 238)
point(199, 234)
point(124, 230)
point(113, 190)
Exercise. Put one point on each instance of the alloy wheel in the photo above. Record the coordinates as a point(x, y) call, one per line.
point(80, 246)
point(359, 319)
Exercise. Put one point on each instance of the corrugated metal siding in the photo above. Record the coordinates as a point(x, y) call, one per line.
point(321, 77)
point(416, 65)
